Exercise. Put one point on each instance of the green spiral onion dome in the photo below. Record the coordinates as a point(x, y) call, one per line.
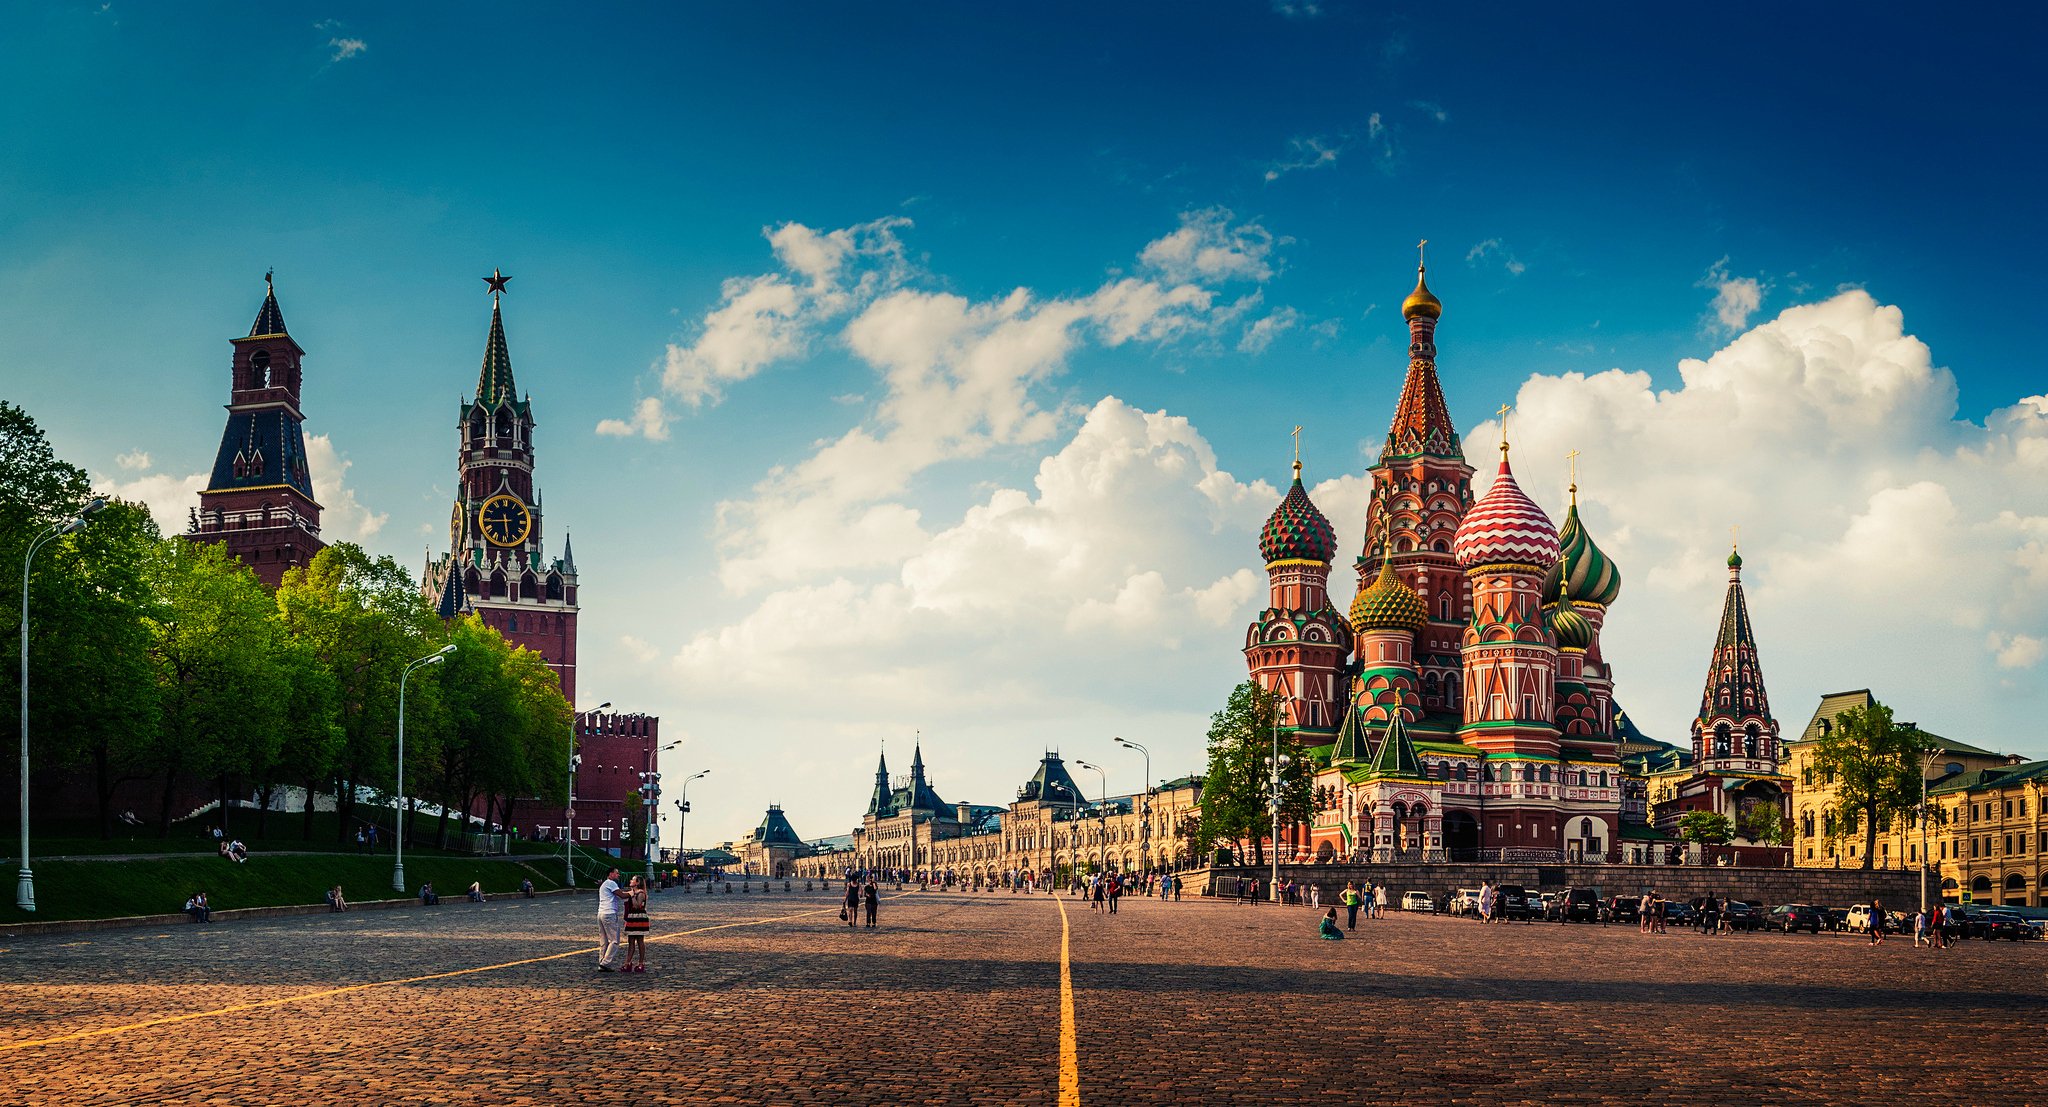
point(1593, 577)
point(1297, 531)
point(1388, 604)
point(1572, 630)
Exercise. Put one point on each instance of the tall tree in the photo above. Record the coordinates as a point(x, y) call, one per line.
point(1236, 789)
point(365, 620)
point(221, 688)
point(1874, 767)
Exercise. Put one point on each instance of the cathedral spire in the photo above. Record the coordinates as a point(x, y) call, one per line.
point(494, 384)
point(1422, 423)
point(1735, 712)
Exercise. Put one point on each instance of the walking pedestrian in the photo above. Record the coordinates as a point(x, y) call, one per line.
point(611, 910)
point(851, 907)
point(637, 926)
point(1116, 892)
point(1877, 919)
point(871, 898)
point(1315, 895)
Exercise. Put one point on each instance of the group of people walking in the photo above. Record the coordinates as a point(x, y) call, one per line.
point(862, 897)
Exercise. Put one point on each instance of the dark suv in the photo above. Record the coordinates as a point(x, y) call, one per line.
point(1512, 901)
point(2001, 924)
point(1625, 909)
point(1738, 915)
point(1581, 905)
point(1797, 916)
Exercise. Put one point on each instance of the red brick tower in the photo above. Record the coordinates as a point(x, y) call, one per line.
point(495, 564)
point(1420, 491)
point(260, 500)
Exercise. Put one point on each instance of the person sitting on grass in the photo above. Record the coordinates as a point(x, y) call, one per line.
point(1329, 928)
point(476, 892)
point(335, 902)
point(197, 908)
point(526, 889)
point(428, 897)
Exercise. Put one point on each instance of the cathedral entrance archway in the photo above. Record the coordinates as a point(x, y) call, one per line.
point(1461, 834)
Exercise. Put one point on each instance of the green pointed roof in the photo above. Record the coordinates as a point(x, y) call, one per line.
point(1348, 748)
point(1396, 755)
point(494, 384)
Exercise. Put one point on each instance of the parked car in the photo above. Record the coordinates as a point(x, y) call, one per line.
point(1581, 905)
point(1512, 901)
point(1625, 909)
point(2003, 924)
point(1418, 901)
point(1679, 913)
point(1837, 918)
point(1465, 901)
point(1858, 920)
point(1741, 916)
point(1797, 916)
point(1553, 906)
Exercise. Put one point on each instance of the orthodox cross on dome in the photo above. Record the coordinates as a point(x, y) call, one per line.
point(1735, 537)
point(1419, 257)
point(1572, 460)
point(1297, 451)
point(1503, 413)
point(496, 281)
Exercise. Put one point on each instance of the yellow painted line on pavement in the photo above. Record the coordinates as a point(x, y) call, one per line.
point(281, 1001)
point(1070, 1054)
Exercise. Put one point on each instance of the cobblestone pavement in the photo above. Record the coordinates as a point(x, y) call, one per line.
point(956, 1001)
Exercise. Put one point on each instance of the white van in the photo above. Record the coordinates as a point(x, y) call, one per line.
point(1465, 902)
point(1418, 901)
point(1858, 921)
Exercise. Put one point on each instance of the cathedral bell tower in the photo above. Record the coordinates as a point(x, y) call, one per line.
point(496, 564)
point(259, 500)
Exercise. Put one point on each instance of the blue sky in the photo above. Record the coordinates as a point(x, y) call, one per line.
point(1602, 193)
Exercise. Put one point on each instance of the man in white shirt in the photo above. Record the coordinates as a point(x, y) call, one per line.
point(611, 919)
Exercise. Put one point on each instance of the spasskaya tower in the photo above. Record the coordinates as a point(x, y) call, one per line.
point(495, 564)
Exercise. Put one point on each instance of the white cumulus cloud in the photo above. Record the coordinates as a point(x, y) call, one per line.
point(1735, 298)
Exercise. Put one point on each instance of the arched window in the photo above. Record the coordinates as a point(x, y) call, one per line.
point(1721, 734)
point(1543, 773)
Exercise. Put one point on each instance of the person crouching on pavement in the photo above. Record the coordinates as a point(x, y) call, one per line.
point(1328, 928)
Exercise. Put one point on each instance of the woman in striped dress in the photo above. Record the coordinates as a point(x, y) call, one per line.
point(636, 926)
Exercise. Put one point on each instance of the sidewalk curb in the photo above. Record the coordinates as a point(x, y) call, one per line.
point(179, 918)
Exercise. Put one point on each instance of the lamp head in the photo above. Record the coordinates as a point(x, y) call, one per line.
point(446, 650)
point(605, 706)
point(97, 503)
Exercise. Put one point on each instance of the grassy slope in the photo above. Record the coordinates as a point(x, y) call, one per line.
point(63, 837)
point(110, 889)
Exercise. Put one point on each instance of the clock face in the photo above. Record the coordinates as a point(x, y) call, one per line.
point(455, 527)
point(505, 521)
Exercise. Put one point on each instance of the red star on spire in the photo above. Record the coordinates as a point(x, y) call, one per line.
point(497, 282)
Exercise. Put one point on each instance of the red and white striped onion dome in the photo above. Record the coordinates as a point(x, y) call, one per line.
point(1505, 527)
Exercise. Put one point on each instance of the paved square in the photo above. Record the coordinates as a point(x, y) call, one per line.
point(957, 1000)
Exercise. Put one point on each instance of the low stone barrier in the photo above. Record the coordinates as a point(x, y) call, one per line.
point(179, 918)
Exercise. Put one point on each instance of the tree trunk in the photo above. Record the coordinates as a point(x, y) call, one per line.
point(262, 808)
point(441, 832)
point(1870, 835)
point(220, 787)
point(103, 786)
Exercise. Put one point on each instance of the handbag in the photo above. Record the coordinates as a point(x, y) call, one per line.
point(842, 914)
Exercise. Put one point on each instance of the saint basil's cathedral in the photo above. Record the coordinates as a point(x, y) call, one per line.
point(1462, 708)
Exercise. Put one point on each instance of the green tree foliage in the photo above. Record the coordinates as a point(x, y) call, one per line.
point(1708, 828)
point(221, 689)
point(1236, 788)
point(1875, 765)
point(1763, 824)
point(365, 621)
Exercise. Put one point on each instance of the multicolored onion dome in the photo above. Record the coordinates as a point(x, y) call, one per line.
point(1593, 578)
point(1297, 531)
point(1421, 301)
point(1572, 630)
point(1505, 526)
point(1388, 604)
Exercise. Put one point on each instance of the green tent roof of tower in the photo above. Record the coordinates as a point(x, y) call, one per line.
point(494, 384)
point(1396, 756)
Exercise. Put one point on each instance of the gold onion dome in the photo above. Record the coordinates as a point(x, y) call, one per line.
point(1297, 530)
point(1421, 301)
point(1572, 630)
point(1388, 604)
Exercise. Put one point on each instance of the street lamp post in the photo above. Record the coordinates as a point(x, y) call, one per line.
point(1927, 759)
point(1277, 764)
point(1101, 814)
point(569, 830)
point(398, 812)
point(650, 802)
point(25, 885)
point(1145, 817)
point(682, 815)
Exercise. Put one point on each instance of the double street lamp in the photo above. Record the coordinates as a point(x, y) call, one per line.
point(569, 830)
point(1101, 813)
point(25, 886)
point(1145, 826)
point(398, 811)
point(682, 815)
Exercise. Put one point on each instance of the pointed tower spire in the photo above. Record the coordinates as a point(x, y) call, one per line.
point(568, 554)
point(880, 803)
point(1396, 755)
point(494, 384)
point(269, 320)
point(1735, 722)
point(1422, 423)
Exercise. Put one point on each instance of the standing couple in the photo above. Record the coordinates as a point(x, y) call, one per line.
point(859, 896)
point(622, 913)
